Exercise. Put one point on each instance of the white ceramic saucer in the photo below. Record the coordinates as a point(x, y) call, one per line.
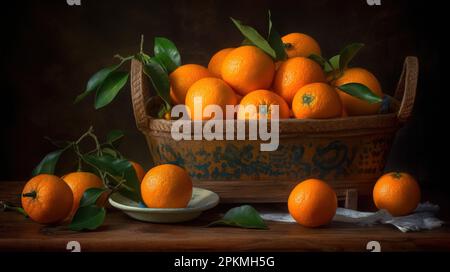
point(202, 200)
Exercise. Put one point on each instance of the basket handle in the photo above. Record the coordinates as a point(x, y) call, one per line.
point(406, 88)
point(139, 95)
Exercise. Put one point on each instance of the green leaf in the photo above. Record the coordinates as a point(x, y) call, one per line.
point(163, 110)
point(275, 41)
point(167, 54)
point(159, 79)
point(114, 136)
point(120, 168)
point(348, 53)
point(110, 88)
point(96, 81)
point(48, 163)
point(360, 91)
point(332, 64)
point(91, 195)
point(252, 35)
point(319, 59)
point(110, 151)
point(246, 42)
point(243, 217)
point(88, 218)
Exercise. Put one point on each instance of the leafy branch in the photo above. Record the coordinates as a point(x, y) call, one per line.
point(116, 172)
point(109, 81)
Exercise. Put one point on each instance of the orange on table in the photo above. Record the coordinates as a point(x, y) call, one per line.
point(166, 186)
point(295, 73)
point(353, 105)
point(317, 101)
point(300, 45)
point(79, 182)
point(47, 199)
point(212, 91)
point(140, 173)
point(182, 79)
point(312, 203)
point(215, 64)
point(260, 98)
point(398, 193)
point(248, 68)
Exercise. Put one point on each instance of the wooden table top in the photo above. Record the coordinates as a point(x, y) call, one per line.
point(121, 233)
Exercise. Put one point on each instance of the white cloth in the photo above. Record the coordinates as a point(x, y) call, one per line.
point(423, 218)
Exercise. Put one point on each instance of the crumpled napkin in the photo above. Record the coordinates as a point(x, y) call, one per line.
point(423, 218)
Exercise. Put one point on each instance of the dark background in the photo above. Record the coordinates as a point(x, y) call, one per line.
point(50, 49)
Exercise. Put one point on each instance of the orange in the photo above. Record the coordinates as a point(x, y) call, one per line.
point(211, 91)
point(248, 68)
point(166, 186)
point(317, 101)
point(294, 74)
point(47, 199)
point(300, 45)
point(215, 64)
point(398, 193)
point(182, 79)
point(262, 98)
point(79, 182)
point(312, 203)
point(140, 173)
point(353, 105)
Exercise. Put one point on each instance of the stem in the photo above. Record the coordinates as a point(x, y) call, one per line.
point(142, 44)
point(119, 181)
point(97, 143)
point(6, 206)
point(86, 134)
point(89, 133)
point(32, 194)
point(287, 45)
point(80, 167)
point(123, 59)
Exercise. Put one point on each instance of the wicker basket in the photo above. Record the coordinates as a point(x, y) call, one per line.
point(349, 153)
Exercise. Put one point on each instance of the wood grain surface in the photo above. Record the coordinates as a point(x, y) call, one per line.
point(120, 233)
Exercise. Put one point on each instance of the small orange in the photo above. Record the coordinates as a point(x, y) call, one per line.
point(300, 45)
point(79, 182)
point(248, 68)
point(294, 74)
point(208, 91)
point(398, 193)
point(262, 98)
point(182, 79)
point(353, 105)
point(215, 64)
point(166, 186)
point(312, 203)
point(317, 101)
point(140, 173)
point(47, 199)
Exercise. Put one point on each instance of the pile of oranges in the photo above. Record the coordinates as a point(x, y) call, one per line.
point(246, 75)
